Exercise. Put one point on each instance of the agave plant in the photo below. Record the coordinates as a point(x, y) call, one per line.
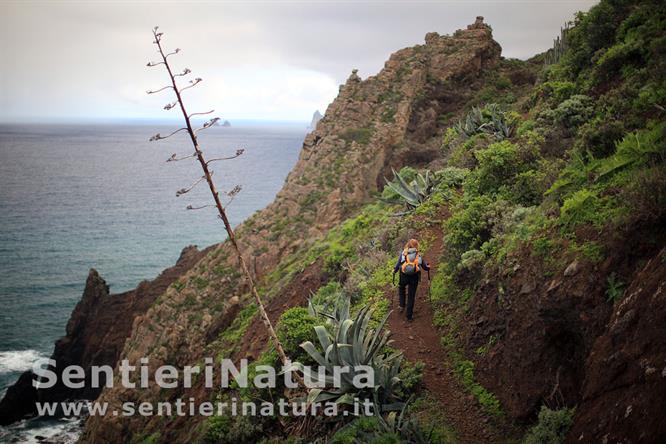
point(497, 125)
point(394, 424)
point(473, 121)
point(406, 428)
point(415, 192)
point(352, 343)
point(490, 120)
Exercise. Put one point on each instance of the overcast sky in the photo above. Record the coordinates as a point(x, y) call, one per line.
point(268, 60)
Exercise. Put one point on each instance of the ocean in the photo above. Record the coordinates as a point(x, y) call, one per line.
point(75, 197)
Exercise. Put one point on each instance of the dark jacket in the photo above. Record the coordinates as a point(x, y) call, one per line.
point(401, 259)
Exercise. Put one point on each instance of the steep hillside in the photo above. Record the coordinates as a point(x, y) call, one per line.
point(372, 125)
point(542, 214)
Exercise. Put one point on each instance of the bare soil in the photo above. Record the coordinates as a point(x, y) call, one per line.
point(420, 341)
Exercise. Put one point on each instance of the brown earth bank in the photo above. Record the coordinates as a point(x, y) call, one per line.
point(563, 344)
point(95, 336)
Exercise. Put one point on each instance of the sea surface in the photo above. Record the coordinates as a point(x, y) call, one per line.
point(75, 197)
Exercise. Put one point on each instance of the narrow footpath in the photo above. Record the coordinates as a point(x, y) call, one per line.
point(420, 341)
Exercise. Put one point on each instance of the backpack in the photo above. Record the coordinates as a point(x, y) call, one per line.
point(412, 264)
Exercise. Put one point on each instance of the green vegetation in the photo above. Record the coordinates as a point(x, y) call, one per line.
point(296, 326)
point(229, 340)
point(358, 135)
point(352, 342)
point(551, 428)
point(614, 288)
point(232, 429)
point(412, 194)
point(489, 120)
point(178, 285)
point(543, 174)
point(465, 370)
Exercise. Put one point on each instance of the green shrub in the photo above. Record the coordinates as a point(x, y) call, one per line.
point(583, 206)
point(411, 377)
point(217, 428)
point(472, 260)
point(614, 288)
point(574, 111)
point(326, 297)
point(359, 135)
point(646, 196)
point(555, 92)
point(468, 227)
point(335, 256)
point(591, 251)
point(598, 137)
point(428, 412)
point(450, 177)
point(552, 427)
point(151, 439)
point(611, 62)
point(296, 326)
point(528, 187)
point(244, 429)
point(364, 429)
point(499, 164)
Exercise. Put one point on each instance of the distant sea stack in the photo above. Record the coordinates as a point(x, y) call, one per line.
point(316, 117)
point(226, 123)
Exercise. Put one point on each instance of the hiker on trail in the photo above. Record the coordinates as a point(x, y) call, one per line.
point(410, 263)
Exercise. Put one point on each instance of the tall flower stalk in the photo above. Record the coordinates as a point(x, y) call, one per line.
point(207, 173)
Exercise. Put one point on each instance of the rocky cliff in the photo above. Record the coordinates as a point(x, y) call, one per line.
point(95, 336)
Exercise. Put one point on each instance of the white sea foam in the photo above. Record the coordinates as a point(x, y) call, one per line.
point(35, 430)
point(18, 361)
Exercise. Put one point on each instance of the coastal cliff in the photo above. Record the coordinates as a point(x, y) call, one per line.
point(95, 336)
point(543, 224)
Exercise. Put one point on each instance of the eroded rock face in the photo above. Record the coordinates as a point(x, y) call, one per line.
point(625, 381)
point(95, 335)
point(371, 126)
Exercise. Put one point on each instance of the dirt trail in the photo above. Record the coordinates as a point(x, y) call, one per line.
point(420, 341)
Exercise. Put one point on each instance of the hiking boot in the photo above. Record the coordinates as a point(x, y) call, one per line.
point(401, 309)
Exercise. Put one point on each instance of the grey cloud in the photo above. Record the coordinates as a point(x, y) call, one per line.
point(76, 58)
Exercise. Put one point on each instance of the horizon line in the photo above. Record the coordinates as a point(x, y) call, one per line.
point(140, 120)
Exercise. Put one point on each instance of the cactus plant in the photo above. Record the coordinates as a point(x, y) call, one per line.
point(560, 45)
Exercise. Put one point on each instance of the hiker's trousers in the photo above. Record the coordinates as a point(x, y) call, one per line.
point(407, 291)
